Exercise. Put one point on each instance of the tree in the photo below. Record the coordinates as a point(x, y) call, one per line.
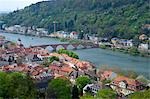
point(53, 58)
point(133, 51)
point(75, 92)
point(87, 96)
point(106, 94)
point(59, 88)
point(82, 82)
point(16, 85)
point(103, 46)
point(69, 53)
point(3, 85)
point(140, 95)
point(48, 61)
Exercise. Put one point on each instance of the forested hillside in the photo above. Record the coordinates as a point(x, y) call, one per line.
point(106, 18)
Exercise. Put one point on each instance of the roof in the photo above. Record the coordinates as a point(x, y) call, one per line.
point(107, 73)
point(129, 81)
point(67, 69)
point(54, 67)
point(74, 33)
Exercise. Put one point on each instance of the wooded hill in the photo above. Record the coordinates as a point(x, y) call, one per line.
point(106, 18)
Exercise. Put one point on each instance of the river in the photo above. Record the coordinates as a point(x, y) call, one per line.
point(99, 57)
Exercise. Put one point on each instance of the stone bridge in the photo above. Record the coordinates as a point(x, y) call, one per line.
point(55, 47)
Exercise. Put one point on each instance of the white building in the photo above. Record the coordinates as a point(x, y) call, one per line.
point(94, 88)
point(143, 46)
point(74, 35)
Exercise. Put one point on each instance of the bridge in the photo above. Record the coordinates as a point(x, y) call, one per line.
point(55, 47)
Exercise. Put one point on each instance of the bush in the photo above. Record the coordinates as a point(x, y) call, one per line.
point(82, 82)
point(69, 53)
point(103, 46)
point(47, 62)
point(133, 51)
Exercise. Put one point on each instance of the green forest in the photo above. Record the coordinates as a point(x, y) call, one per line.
point(104, 18)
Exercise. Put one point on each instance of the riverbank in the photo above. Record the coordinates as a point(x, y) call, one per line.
point(4, 31)
point(131, 51)
point(106, 57)
point(75, 41)
point(28, 41)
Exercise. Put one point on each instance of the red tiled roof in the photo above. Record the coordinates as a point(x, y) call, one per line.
point(66, 69)
point(35, 73)
point(106, 74)
point(54, 67)
point(129, 81)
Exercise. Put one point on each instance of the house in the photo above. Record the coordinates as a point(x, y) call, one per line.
point(34, 58)
point(91, 74)
point(92, 88)
point(66, 35)
point(115, 41)
point(126, 43)
point(75, 74)
point(60, 34)
point(94, 39)
point(41, 32)
point(130, 43)
point(143, 37)
point(108, 75)
point(143, 46)
point(74, 35)
point(125, 86)
point(61, 70)
point(122, 43)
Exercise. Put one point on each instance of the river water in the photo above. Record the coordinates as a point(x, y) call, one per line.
point(99, 57)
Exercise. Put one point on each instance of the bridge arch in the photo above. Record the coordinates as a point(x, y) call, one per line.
point(49, 48)
point(60, 47)
point(80, 47)
point(70, 47)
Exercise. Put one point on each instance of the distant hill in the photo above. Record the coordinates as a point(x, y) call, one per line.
point(107, 18)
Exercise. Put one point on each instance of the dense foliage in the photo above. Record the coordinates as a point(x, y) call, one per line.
point(87, 96)
point(140, 95)
point(107, 18)
point(16, 85)
point(69, 53)
point(75, 92)
point(102, 94)
point(106, 94)
point(59, 89)
point(82, 82)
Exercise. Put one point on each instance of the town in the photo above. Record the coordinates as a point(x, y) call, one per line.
point(44, 66)
point(74, 49)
